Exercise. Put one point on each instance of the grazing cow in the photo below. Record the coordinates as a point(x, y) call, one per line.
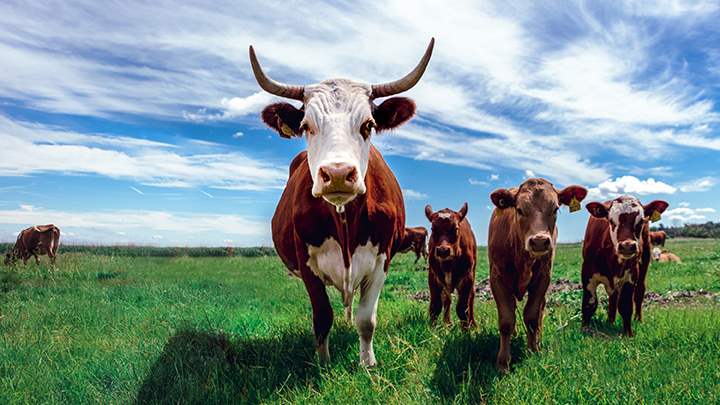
point(663, 256)
point(616, 254)
point(452, 261)
point(341, 217)
point(521, 249)
point(415, 239)
point(34, 241)
point(658, 238)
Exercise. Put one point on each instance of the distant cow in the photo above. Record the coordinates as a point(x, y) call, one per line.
point(415, 240)
point(34, 241)
point(616, 254)
point(521, 249)
point(341, 217)
point(658, 238)
point(452, 260)
point(663, 256)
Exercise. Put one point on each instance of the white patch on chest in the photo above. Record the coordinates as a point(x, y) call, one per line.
point(326, 262)
point(596, 280)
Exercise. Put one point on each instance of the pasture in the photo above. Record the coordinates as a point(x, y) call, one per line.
point(102, 328)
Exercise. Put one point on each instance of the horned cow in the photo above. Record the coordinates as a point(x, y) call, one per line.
point(341, 217)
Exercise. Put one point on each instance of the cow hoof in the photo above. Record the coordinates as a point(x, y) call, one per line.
point(503, 369)
point(587, 330)
point(368, 361)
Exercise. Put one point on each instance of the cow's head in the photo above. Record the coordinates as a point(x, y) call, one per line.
point(627, 218)
point(536, 203)
point(445, 231)
point(656, 253)
point(338, 117)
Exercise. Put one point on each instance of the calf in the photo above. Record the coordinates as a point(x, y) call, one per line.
point(658, 238)
point(452, 264)
point(35, 241)
point(415, 239)
point(521, 249)
point(663, 256)
point(616, 254)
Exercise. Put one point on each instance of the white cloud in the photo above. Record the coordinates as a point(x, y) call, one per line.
point(628, 185)
point(494, 177)
point(207, 194)
point(476, 182)
point(697, 185)
point(238, 135)
point(683, 204)
point(146, 163)
point(137, 225)
point(136, 190)
point(529, 173)
point(410, 194)
point(27, 208)
point(683, 215)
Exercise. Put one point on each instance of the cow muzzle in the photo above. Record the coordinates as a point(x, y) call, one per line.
point(339, 183)
point(443, 252)
point(627, 249)
point(539, 244)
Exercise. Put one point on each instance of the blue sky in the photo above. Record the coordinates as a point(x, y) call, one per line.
point(138, 123)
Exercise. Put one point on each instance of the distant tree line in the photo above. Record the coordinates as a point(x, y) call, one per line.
point(706, 230)
point(153, 251)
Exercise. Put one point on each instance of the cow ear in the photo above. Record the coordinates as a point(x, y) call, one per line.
point(571, 196)
point(393, 112)
point(503, 198)
point(428, 212)
point(598, 210)
point(284, 118)
point(463, 211)
point(654, 209)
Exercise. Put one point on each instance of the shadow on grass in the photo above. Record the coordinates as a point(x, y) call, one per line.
point(466, 368)
point(206, 367)
point(600, 327)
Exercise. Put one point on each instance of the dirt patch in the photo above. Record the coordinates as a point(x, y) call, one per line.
point(483, 293)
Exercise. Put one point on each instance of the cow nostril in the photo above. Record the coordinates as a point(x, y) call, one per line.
point(351, 176)
point(324, 175)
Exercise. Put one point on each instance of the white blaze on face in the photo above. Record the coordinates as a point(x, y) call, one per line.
point(623, 205)
point(334, 113)
point(656, 252)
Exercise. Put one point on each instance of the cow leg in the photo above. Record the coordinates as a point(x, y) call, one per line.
point(464, 307)
point(446, 301)
point(626, 308)
point(366, 317)
point(535, 311)
point(505, 303)
point(37, 259)
point(322, 313)
point(589, 306)
point(436, 291)
point(612, 305)
point(639, 296)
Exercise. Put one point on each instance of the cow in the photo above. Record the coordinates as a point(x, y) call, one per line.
point(35, 241)
point(415, 239)
point(663, 256)
point(452, 260)
point(341, 217)
point(658, 238)
point(521, 250)
point(616, 253)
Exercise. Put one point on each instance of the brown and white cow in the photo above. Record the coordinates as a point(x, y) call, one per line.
point(616, 254)
point(657, 238)
point(415, 240)
point(664, 256)
point(341, 217)
point(521, 250)
point(453, 255)
point(34, 241)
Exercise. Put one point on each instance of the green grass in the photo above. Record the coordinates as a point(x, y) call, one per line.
point(113, 329)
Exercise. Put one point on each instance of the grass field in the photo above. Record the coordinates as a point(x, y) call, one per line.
point(109, 329)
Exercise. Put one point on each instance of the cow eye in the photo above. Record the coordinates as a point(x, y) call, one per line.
point(520, 212)
point(366, 128)
point(555, 211)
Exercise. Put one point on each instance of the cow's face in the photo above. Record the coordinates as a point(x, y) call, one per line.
point(445, 236)
point(536, 203)
point(10, 258)
point(628, 218)
point(338, 118)
point(656, 252)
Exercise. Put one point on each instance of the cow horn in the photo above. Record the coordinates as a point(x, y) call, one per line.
point(407, 82)
point(270, 85)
